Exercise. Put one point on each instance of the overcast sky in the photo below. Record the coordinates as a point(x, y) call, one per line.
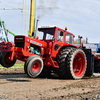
point(82, 17)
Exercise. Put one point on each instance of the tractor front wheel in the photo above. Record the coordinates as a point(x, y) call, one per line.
point(27, 61)
point(5, 61)
point(34, 67)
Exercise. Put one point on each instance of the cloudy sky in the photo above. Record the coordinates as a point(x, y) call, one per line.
point(82, 17)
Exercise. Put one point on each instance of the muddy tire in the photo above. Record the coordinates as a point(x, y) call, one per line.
point(61, 58)
point(72, 63)
point(5, 61)
point(34, 67)
point(76, 64)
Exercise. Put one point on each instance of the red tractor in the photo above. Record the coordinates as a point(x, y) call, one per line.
point(55, 51)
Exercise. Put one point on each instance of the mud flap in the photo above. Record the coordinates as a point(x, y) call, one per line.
point(97, 65)
point(90, 62)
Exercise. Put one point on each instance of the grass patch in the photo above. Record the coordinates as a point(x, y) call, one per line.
point(16, 65)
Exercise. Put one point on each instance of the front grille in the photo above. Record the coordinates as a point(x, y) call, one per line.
point(19, 44)
point(20, 38)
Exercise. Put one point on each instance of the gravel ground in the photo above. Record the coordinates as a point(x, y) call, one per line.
point(16, 85)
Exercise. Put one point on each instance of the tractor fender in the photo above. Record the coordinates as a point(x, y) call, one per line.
point(66, 47)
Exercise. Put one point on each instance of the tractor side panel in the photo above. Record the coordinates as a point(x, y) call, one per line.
point(58, 46)
point(55, 49)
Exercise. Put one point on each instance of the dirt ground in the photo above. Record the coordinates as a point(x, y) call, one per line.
point(16, 85)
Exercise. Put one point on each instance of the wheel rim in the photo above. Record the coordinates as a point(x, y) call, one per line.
point(36, 66)
point(8, 58)
point(79, 64)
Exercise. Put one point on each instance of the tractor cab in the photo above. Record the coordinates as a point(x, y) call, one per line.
point(55, 38)
point(46, 33)
point(49, 33)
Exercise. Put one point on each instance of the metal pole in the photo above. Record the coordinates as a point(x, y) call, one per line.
point(31, 25)
point(35, 19)
point(36, 28)
point(10, 32)
point(80, 37)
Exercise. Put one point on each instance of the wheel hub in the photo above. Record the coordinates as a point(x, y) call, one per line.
point(79, 64)
point(36, 66)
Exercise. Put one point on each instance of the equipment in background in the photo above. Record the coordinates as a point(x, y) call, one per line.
point(4, 32)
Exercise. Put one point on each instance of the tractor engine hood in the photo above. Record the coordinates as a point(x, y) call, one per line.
point(20, 38)
point(38, 43)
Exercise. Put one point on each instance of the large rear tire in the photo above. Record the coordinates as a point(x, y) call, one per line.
point(76, 64)
point(61, 57)
point(34, 67)
point(72, 63)
point(5, 61)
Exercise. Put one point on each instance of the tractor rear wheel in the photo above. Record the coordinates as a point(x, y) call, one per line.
point(34, 67)
point(76, 64)
point(5, 61)
point(61, 58)
point(72, 63)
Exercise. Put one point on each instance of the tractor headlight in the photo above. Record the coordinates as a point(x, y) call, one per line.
point(28, 47)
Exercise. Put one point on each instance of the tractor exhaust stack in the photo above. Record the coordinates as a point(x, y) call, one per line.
point(36, 28)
